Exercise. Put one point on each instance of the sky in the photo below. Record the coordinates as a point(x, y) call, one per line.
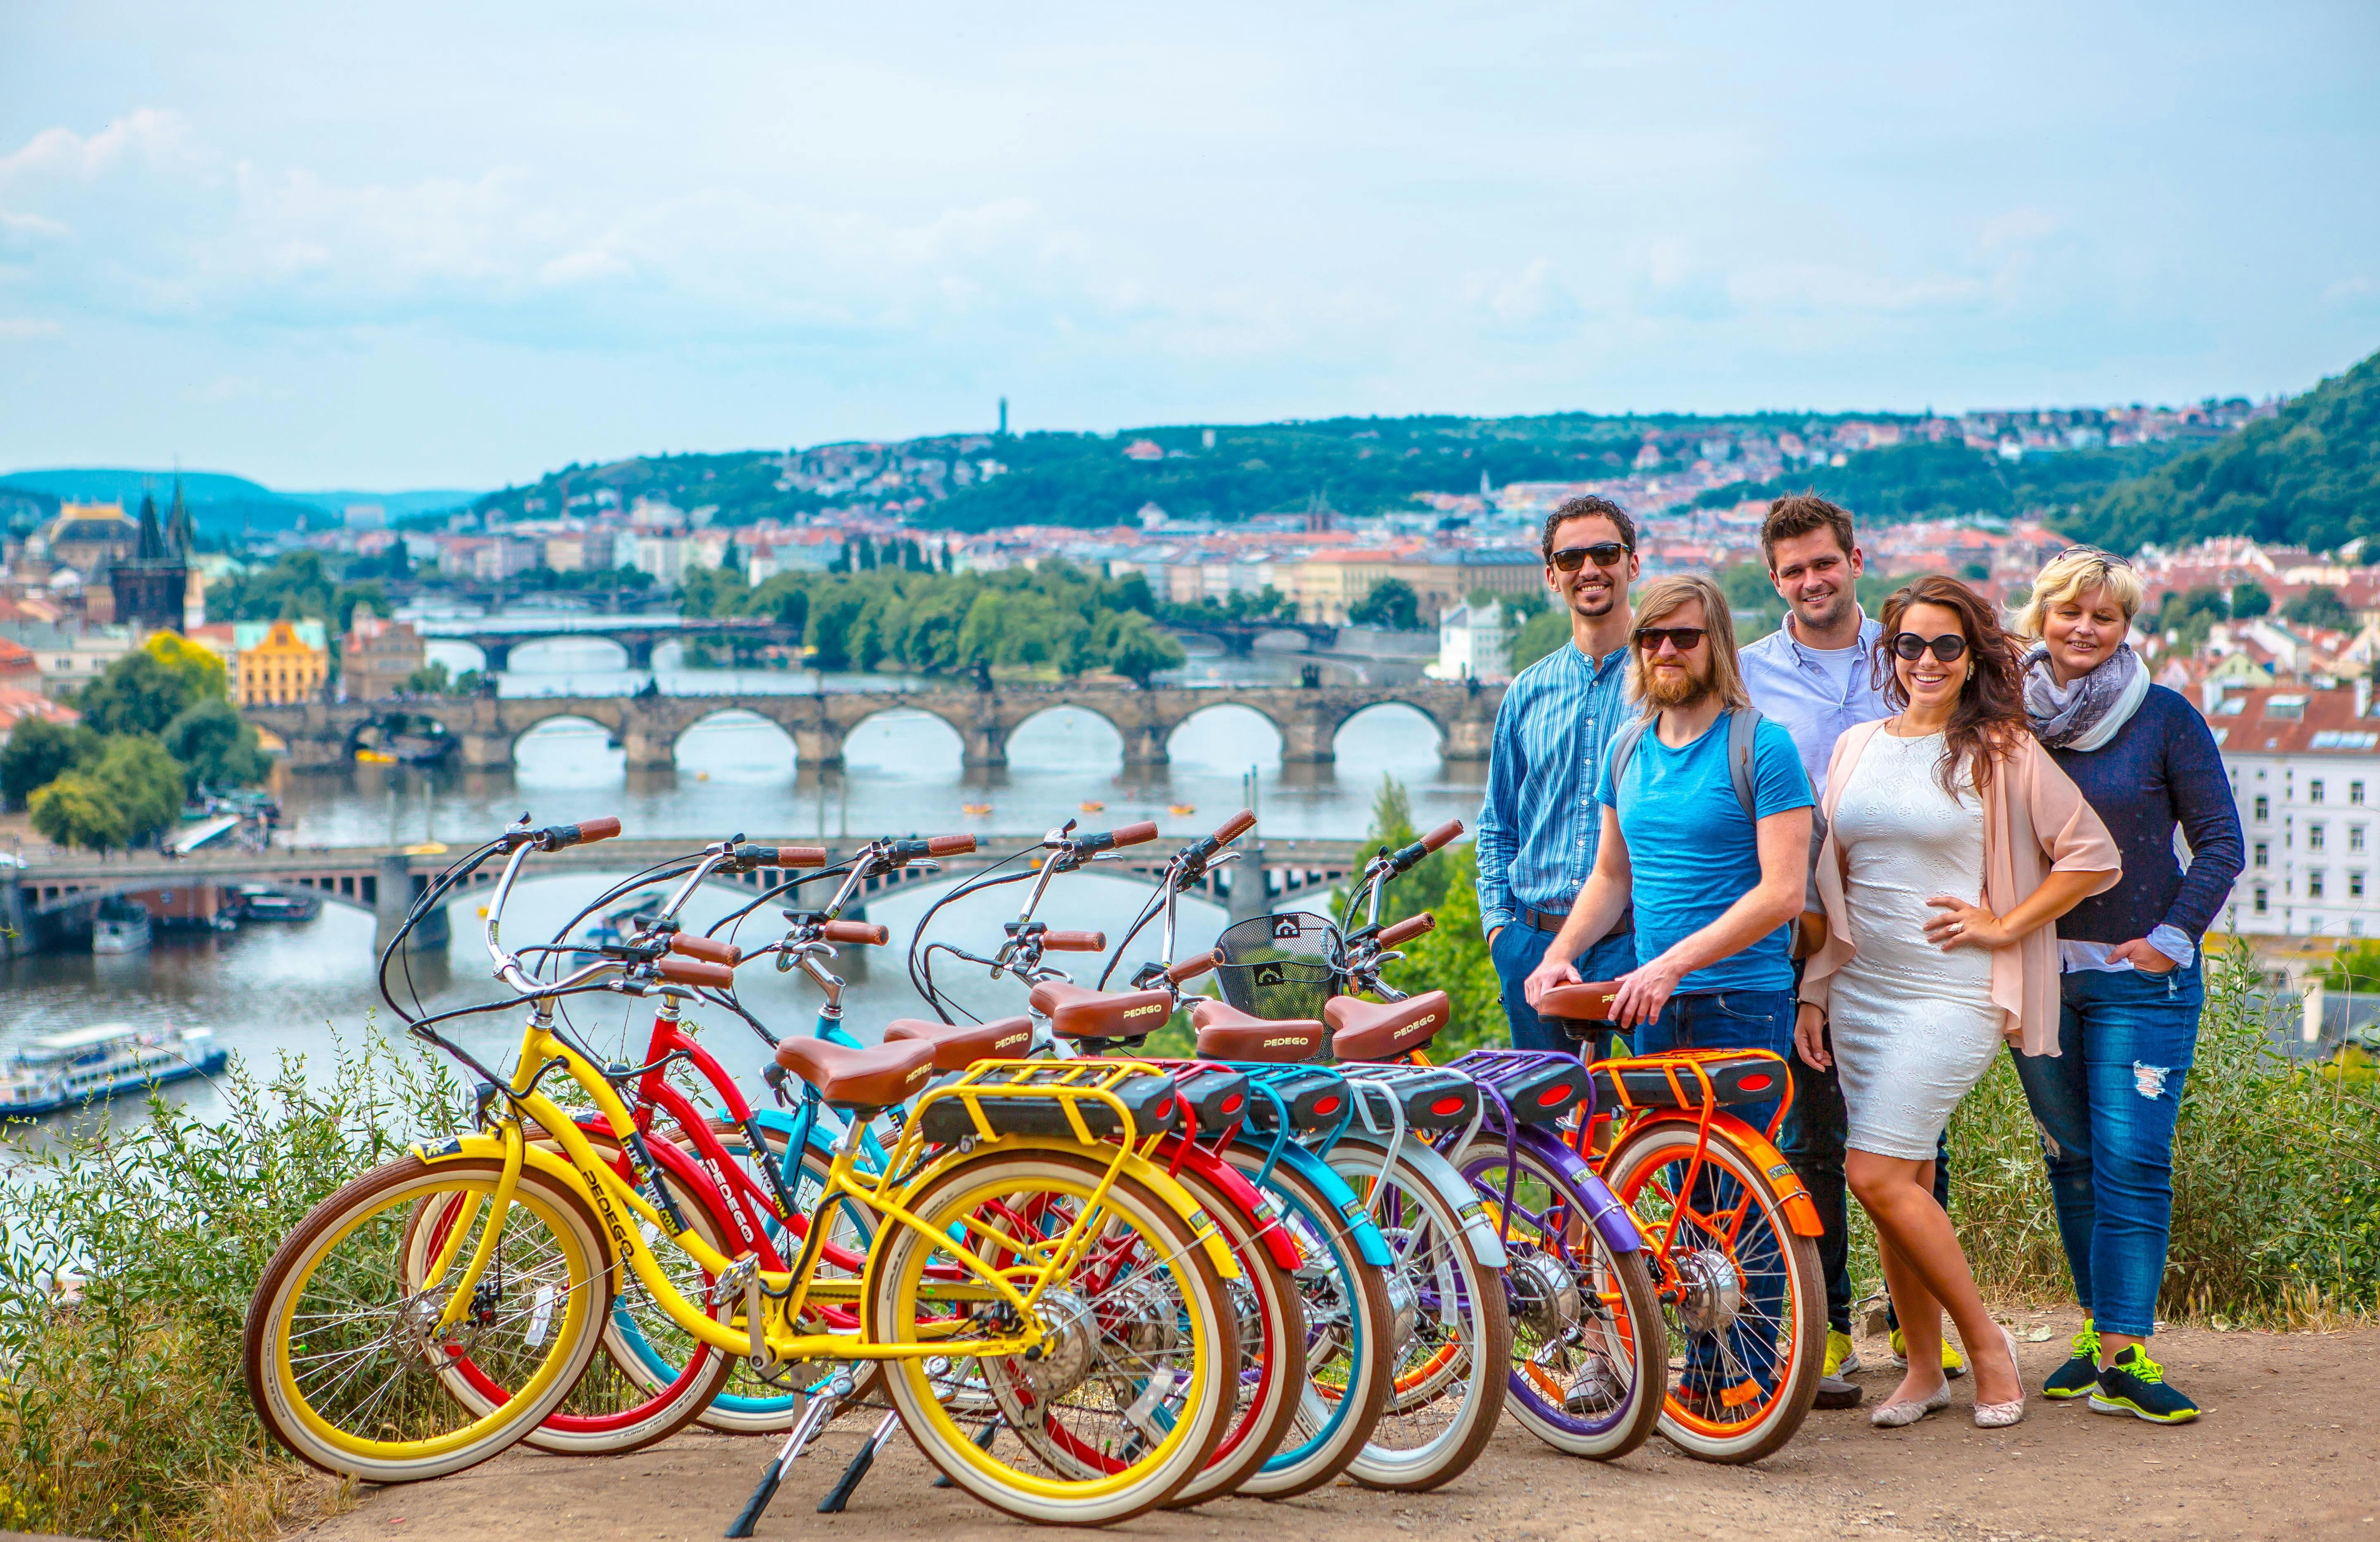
point(431, 245)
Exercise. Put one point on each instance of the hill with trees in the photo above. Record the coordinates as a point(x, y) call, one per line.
point(2309, 477)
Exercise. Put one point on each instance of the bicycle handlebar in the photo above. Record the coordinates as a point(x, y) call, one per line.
point(933, 846)
point(693, 971)
point(783, 857)
point(1408, 930)
point(709, 949)
point(1130, 835)
point(1441, 835)
point(555, 837)
point(866, 932)
point(1233, 828)
point(1074, 941)
point(1191, 968)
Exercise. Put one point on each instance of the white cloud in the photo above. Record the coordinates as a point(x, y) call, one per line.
point(146, 134)
point(22, 327)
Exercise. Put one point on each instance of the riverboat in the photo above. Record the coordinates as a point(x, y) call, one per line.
point(259, 903)
point(121, 927)
point(67, 1070)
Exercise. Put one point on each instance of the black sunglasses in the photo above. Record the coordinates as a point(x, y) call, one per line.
point(1947, 646)
point(1686, 639)
point(1606, 553)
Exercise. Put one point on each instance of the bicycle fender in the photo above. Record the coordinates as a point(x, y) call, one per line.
point(1801, 1210)
point(1372, 1248)
point(1451, 1186)
point(1611, 1218)
point(552, 1165)
point(1176, 1197)
point(1252, 1202)
point(784, 1122)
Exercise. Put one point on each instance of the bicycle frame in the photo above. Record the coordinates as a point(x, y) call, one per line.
point(1705, 1115)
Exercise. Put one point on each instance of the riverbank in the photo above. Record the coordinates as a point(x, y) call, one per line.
point(2286, 1450)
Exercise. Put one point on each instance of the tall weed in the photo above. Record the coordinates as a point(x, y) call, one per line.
point(127, 1258)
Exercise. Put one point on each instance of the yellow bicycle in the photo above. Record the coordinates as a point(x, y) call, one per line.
point(1024, 1268)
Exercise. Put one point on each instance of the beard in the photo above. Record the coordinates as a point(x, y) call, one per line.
point(1837, 611)
point(1684, 689)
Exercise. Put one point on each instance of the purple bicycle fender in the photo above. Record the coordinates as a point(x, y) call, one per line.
point(1611, 1218)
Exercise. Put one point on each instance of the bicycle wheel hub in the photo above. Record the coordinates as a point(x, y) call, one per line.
point(1714, 1292)
point(1545, 1299)
point(1404, 1310)
point(1070, 1341)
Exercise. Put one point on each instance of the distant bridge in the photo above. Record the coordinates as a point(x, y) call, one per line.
point(384, 881)
point(636, 638)
point(324, 735)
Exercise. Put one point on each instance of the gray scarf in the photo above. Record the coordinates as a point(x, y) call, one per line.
point(2089, 713)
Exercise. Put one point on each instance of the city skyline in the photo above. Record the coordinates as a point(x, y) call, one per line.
point(450, 250)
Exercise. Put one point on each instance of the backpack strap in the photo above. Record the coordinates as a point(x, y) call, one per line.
point(1743, 727)
point(1623, 750)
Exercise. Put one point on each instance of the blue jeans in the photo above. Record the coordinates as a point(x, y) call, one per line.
point(2107, 1103)
point(1734, 1020)
point(1519, 948)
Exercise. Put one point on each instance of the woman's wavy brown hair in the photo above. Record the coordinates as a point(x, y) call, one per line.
point(1988, 719)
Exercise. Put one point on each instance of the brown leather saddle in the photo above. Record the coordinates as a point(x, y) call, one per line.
point(1227, 1032)
point(960, 1044)
point(1080, 1011)
point(1383, 1030)
point(874, 1078)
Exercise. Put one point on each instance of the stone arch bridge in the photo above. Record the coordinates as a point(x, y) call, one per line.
point(322, 735)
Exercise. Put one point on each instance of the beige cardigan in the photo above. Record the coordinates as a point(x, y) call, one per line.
point(2035, 822)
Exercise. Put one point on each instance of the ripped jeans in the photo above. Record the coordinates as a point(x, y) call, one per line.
point(2107, 1103)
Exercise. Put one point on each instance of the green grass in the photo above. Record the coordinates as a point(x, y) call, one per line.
point(127, 1259)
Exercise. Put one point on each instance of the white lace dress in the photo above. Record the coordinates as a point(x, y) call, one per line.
point(1913, 1027)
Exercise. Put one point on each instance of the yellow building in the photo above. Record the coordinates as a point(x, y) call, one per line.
point(283, 666)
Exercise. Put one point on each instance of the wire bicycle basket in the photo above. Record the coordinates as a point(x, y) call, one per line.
point(1281, 967)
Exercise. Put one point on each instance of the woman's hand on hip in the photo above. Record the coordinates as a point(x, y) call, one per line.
point(2143, 955)
point(1810, 1035)
point(1546, 976)
point(1961, 925)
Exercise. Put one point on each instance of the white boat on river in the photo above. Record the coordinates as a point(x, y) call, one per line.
point(67, 1070)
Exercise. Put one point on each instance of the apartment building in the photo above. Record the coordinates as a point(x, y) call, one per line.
point(2305, 768)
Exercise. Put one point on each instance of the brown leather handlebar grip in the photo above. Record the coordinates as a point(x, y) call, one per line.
point(787, 856)
point(693, 971)
point(949, 845)
point(867, 932)
point(1191, 968)
point(1236, 826)
point(1133, 835)
point(1075, 942)
point(1442, 834)
point(709, 949)
point(555, 837)
point(1408, 930)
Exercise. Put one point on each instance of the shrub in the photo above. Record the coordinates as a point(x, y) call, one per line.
point(127, 1258)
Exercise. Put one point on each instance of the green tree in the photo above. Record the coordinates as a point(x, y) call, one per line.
point(1424, 884)
point(1390, 604)
point(430, 679)
point(1544, 632)
point(1757, 607)
point(200, 668)
point(74, 810)
point(2321, 606)
point(2354, 967)
point(1138, 649)
point(136, 694)
point(216, 747)
point(142, 783)
point(2251, 599)
point(38, 752)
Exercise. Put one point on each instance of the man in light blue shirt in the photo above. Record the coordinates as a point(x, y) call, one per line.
point(1539, 826)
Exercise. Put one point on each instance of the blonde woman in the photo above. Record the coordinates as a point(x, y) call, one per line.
point(2129, 990)
point(1952, 844)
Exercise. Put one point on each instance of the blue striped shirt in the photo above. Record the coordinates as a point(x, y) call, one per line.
point(1540, 824)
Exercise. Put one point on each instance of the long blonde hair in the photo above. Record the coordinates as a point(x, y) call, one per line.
point(1664, 597)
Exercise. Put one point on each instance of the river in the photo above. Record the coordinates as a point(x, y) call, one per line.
point(307, 989)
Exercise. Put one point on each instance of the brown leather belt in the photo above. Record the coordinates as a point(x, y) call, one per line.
point(1551, 920)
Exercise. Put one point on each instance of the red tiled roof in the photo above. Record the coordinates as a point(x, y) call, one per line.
point(2320, 723)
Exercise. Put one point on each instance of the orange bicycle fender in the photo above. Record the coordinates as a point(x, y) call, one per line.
point(1801, 1211)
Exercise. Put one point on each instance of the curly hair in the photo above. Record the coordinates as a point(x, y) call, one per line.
point(1989, 718)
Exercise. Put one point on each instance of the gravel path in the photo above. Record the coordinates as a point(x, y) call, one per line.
point(2289, 1448)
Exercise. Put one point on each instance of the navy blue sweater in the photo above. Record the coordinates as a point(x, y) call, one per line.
point(2161, 769)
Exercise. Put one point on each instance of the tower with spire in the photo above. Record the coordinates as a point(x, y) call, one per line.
point(152, 585)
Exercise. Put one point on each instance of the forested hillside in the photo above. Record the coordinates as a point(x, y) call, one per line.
point(2309, 477)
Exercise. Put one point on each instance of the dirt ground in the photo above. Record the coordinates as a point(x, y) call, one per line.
point(2289, 1448)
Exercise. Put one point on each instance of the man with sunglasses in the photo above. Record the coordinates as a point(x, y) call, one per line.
point(1539, 827)
point(1815, 676)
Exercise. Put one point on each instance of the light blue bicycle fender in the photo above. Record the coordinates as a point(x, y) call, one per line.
point(1369, 1243)
point(1451, 1186)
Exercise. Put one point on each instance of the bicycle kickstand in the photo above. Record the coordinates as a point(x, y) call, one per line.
point(983, 1439)
point(840, 1494)
point(823, 1407)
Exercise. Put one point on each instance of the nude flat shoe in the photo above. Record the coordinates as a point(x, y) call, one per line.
point(1895, 1415)
point(2000, 1415)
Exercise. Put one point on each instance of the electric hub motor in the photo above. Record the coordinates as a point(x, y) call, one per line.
point(1714, 1292)
point(1545, 1299)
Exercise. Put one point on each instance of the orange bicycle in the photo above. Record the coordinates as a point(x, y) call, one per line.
point(1731, 1232)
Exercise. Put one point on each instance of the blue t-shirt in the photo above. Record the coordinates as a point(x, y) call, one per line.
point(1692, 853)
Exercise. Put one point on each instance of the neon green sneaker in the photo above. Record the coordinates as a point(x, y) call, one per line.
point(1842, 1355)
point(2133, 1383)
point(2080, 1376)
point(1954, 1365)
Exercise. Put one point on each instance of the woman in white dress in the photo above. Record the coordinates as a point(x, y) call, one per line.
point(1953, 842)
